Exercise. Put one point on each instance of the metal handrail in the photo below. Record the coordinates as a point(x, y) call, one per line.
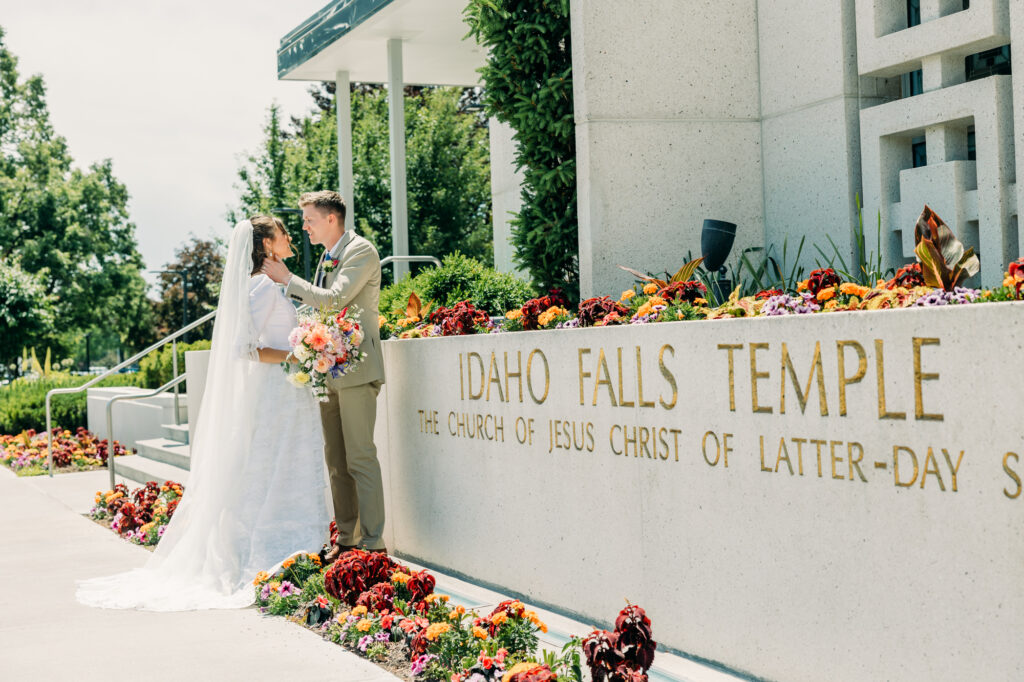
point(110, 418)
point(410, 259)
point(114, 370)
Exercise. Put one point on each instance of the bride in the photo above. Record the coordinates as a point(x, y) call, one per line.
point(256, 491)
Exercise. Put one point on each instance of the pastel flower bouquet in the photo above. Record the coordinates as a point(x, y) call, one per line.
point(325, 344)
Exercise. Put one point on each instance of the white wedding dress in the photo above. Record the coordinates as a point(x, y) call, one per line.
point(257, 487)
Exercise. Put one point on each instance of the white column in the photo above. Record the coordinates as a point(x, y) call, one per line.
point(396, 121)
point(343, 105)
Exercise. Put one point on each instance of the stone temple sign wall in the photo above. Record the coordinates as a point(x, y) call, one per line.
point(803, 498)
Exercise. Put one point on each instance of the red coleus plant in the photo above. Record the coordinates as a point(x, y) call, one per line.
point(380, 597)
point(688, 291)
point(594, 310)
point(357, 571)
point(624, 655)
point(822, 278)
point(1016, 274)
point(459, 320)
point(768, 293)
point(535, 306)
point(420, 584)
point(907, 277)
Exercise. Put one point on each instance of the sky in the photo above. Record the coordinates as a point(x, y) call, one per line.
point(174, 92)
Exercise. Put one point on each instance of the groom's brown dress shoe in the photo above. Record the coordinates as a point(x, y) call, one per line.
point(331, 555)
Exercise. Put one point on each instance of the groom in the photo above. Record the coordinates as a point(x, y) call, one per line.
point(348, 275)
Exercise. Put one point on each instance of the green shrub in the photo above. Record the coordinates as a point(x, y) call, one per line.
point(157, 368)
point(459, 278)
point(23, 402)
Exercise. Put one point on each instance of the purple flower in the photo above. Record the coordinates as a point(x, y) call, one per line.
point(784, 304)
point(568, 324)
point(265, 592)
point(163, 529)
point(365, 641)
point(383, 636)
point(288, 589)
point(959, 296)
point(420, 664)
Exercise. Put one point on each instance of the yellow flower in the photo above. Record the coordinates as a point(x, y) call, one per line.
point(146, 527)
point(261, 578)
point(400, 578)
point(832, 305)
point(656, 300)
point(364, 625)
point(826, 293)
point(359, 611)
point(479, 632)
point(880, 284)
point(514, 314)
point(1008, 281)
point(650, 288)
point(435, 630)
point(627, 294)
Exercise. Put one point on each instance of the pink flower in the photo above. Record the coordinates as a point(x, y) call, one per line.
point(324, 363)
point(318, 337)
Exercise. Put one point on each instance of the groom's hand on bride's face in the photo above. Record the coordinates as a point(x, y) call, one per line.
point(276, 270)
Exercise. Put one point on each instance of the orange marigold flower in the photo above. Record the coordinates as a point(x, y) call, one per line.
point(435, 630)
point(275, 586)
point(400, 578)
point(364, 625)
point(656, 300)
point(359, 611)
point(650, 288)
point(700, 301)
point(514, 314)
point(261, 578)
point(499, 618)
point(801, 286)
point(851, 289)
point(826, 293)
point(288, 563)
point(479, 632)
point(518, 668)
point(627, 294)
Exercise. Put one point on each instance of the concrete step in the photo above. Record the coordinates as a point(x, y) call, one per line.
point(165, 450)
point(141, 470)
point(176, 432)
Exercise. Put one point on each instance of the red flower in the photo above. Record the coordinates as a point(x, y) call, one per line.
point(1016, 272)
point(768, 293)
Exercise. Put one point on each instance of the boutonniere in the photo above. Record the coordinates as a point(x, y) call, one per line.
point(330, 264)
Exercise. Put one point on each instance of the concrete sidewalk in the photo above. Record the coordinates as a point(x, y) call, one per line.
point(46, 545)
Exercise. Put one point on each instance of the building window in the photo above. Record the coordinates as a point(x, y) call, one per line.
point(972, 150)
point(913, 13)
point(994, 62)
point(919, 151)
point(911, 84)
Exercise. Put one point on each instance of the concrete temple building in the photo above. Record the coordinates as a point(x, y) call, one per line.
point(773, 115)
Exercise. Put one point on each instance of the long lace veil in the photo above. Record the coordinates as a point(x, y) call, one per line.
point(196, 563)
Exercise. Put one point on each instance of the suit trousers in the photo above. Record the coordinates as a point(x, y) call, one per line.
point(348, 418)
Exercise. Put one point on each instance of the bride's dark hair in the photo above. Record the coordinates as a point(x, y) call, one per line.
point(263, 227)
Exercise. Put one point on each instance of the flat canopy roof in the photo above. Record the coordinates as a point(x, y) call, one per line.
point(352, 35)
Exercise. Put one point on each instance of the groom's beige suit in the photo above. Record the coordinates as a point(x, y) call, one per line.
point(349, 414)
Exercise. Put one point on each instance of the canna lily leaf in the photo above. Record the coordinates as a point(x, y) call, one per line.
point(932, 264)
point(414, 307)
point(944, 262)
point(645, 278)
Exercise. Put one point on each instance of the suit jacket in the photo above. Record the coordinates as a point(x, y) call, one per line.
point(354, 282)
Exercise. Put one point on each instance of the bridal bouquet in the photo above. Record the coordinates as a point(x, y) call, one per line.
point(325, 344)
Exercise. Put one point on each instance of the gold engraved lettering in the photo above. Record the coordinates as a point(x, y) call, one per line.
point(931, 466)
point(529, 376)
point(896, 450)
point(953, 469)
point(1014, 476)
point(844, 381)
point(462, 385)
point(855, 461)
point(664, 443)
point(832, 455)
point(754, 376)
point(920, 377)
point(622, 400)
point(640, 382)
point(451, 429)
point(602, 364)
point(803, 395)
point(643, 437)
point(818, 444)
point(783, 456)
point(669, 377)
point(518, 374)
point(800, 453)
point(611, 438)
point(583, 374)
point(883, 413)
point(469, 375)
point(726, 449)
point(732, 373)
point(763, 467)
point(704, 448)
point(494, 377)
